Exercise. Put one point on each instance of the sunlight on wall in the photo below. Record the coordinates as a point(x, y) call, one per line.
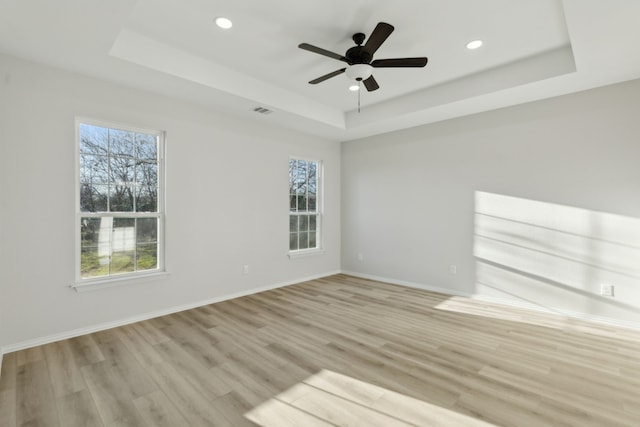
point(329, 398)
point(552, 255)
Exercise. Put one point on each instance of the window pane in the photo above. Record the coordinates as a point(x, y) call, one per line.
point(313, 176)
point(122, 262)
point(146, 199)
point(94, 169)
point(301, 184)
point(93, 263)
point(90, 231)
point(302, 170)
point(293, 241)
point(121, 143)
point(146, 172)
point(312, 204)
point(302, 203)
point(94, 246)
point(292, 186)
point(147, 147)
point(93, 139)
point(146, 230)
point(97, 231)
point(124, 237)
point(312, 239)
point(121, 170)
point(304, 240)
point(121, 183)
point(304, 222)
point(121, 199)
point(293, 223)
point(312, 223)
point(123, 245)
point(93, 198)
point(147, 257)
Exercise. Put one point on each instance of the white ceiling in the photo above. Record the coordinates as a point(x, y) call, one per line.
point(533, 49)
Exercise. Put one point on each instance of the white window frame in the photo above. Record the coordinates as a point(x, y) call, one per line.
point(90, 283)
point(319, 249)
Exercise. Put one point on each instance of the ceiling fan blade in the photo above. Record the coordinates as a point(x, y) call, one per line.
point(327, 76)
point(371, 84)
point(319, 50)
point(377, 37)
point(399, 62)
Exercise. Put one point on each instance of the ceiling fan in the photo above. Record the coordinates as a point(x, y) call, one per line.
point(360, 58)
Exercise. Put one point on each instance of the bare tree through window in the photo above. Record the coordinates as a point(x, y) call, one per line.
point(304, 215)
point(119, 204)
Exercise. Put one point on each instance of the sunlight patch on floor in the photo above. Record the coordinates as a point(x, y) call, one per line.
point(329, 399)
point(502, 312)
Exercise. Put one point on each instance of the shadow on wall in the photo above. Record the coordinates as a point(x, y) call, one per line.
point(557, 257)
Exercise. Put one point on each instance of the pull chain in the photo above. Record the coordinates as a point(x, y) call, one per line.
point(359, 90)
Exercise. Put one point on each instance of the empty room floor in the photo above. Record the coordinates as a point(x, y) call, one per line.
point(333, 352)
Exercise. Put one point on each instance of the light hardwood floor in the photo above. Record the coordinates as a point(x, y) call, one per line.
point(335, 351)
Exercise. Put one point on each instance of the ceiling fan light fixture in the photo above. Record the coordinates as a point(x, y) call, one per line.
point(474, 44)
point(354, 88)
point(360, 58)
point(359, 72)
point(224, 23)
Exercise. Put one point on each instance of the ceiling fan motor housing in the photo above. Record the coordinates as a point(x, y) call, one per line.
point(358, 55)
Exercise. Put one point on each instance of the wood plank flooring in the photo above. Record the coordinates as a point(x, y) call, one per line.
point(332, 352)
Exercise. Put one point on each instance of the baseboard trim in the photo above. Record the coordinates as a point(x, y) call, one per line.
point(108, 325)
point(424, 287)
point(504, 301)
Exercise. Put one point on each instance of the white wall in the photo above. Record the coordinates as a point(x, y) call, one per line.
point(227, 203)
point(537, 204)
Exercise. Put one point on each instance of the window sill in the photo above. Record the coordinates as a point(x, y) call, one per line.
point(94, 285)
point(305, 253)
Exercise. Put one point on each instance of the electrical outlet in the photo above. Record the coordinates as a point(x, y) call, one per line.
point(607, 290)
point(453, 269)
point(245, 269)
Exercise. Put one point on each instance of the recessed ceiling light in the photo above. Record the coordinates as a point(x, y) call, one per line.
point(354, 88)
point(223, 22)
point(474, 44)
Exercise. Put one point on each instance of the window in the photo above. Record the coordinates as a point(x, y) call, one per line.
point(119, 201)
point(304, 205)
